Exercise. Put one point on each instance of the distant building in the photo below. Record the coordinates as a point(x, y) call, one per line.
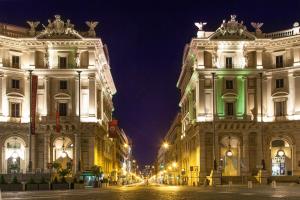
point(57, 54)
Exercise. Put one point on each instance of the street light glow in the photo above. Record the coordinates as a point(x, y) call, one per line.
point(166, 145)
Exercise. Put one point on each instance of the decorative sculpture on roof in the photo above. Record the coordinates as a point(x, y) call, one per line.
point(58, 27)
point(33, 26)
point(200, 25)
point(232, 27)
point(92, 25)
point(257, 27)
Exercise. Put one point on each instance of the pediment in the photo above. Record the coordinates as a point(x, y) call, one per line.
point(229, 96)
point(244, 35)
point(62, 96)
point(280, 94)
point(14, 95)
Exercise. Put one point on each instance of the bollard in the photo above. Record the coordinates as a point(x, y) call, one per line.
point(273, 184)
point(250, 185)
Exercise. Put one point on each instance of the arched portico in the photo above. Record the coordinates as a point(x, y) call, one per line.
point(230, 155)
point(14, 155)
point(63, 151)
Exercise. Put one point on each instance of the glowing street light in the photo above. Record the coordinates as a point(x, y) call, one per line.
point(166, 145)
point(174, 164)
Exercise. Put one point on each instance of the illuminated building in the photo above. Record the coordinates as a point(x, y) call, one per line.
point(240, 101)
point(73, 96)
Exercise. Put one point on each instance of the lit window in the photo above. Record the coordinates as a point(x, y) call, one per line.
point(229, 84)
point(15, 84)
point(279, 61)
point(229, 109)
point(16, 61)
point(228, 63)
point(63, 62)
point(279, 83)
point(280, 108)
point(63, 107)
point(63, 85)
point(15, 110)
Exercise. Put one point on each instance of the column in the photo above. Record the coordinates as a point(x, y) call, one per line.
point(77, 151)
point(101, 105)
point(296, 56)
point(26, 102)
point(91, 151)
point(46, 150)
point(259, 59)
point(245, 80)
point(245, 155)
point(267, 99)
point(200, 96)
point(5, 106)
point(46, 97)
point(297, 95)
point(258, 98)
point(77, 95)
point(92, 96)
point(92, 62)
point(202, 154)
point(291, 96)
point(33, 151)
point(217, 151)
point(1, 96)
point(200, 58)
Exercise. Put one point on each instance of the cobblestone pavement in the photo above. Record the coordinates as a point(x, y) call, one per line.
point(164, 193)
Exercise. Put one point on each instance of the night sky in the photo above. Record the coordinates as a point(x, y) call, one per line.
point(146, 41)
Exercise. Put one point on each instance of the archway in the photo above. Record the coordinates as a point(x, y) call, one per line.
point(14, 155)
point(281, 156)
point(63, 151)
point(230, 156)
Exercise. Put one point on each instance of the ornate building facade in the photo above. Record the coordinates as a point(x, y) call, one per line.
point(240, 101)
point(70, 100)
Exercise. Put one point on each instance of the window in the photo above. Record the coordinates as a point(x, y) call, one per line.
point(229, 84)
point(63, 85)
point(279, 61)
point(279, 83)
point(280, 108)
point(63, 109)
point(63, 62)
point(229, 63)
point(15, 61)
point(15, 84)
point(15, 110)
point(229, 109)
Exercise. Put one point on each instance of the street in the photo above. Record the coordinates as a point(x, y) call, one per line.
point(160, 192)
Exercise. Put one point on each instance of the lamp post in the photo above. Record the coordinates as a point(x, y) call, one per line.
point(30, 119)
point(79, 123)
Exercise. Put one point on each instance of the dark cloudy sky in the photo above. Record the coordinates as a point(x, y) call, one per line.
point(146, 41)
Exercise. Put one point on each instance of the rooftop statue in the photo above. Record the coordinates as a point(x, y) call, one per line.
point(33, 26)
point(257, 27)
point(92, 25)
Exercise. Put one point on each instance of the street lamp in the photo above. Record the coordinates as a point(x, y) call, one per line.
point(166, 145)
point(229, 152)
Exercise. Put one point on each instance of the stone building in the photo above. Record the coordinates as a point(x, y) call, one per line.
point(71, 100)
point(240, 101)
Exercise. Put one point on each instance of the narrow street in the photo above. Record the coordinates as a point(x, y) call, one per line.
point(160, 192)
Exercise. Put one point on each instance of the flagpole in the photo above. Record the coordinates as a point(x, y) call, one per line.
point(30, 120)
